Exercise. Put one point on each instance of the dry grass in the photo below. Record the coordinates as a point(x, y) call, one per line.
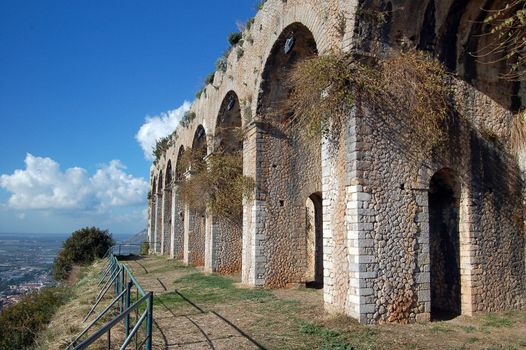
point(67, 322)
point(218, 185)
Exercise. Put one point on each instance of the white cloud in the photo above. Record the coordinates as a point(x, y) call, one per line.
point(160, 126)
point(43, 185)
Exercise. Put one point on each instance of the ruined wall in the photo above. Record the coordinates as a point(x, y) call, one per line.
point(227, 246)
point(377, 238)
point(196, 239)
point(177, 234)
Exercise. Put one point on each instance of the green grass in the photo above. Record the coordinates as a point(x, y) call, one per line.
point(468, 329)
point(326, 337)
point(496, 321)
point(207, 289)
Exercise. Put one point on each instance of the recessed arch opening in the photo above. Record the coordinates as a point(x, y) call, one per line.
point(444, 245)
point(295, 43)
point(314, 240)
point(167, 208)
point(290, 165)
point(228, 126)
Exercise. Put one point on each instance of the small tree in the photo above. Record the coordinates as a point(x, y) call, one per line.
point(82, 247)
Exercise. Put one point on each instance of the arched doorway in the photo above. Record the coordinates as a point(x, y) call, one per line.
point(158, 214)
point(290, 163)
point(167, 209)
point(444, 242)
point(196, 235)
point(226, 223)
point(314, 240)
point(177, 249)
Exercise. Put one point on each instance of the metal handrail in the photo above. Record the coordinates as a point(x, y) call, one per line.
point(119, 275)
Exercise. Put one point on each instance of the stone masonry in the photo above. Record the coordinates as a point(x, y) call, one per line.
point(394, 234)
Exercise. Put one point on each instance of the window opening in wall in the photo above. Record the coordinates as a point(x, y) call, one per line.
point(289, 43)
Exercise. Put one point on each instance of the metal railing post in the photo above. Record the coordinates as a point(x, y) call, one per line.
point(128, 299)
point(149, 322)
point(123, 285)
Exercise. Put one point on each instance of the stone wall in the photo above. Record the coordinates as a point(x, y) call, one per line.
point(390, 247)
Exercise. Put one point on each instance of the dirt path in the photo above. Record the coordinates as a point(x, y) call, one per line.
point(193, 310)
point(195, 327)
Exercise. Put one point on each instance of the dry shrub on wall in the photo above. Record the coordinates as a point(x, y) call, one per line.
point(518, 138)
point(407, 90)
point(507, 29)
point(216, 183)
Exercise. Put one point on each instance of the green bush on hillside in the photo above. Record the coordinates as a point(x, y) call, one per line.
point(82, 247)
point(20, 324)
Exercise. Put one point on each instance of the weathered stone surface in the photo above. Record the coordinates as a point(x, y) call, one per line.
point(382, 260)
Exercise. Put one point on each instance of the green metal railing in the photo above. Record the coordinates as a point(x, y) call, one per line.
point(131, 305)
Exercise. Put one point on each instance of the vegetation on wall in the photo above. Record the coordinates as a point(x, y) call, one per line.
point(234, 38)
point(518, 134)
point(405, 89)
point(187, 118)
point(160, 148)
point(508, 39)
point(217, 183)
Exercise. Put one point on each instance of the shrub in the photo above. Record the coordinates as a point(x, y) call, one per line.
point(507, 30)
point(218, 183)
point(21, 323)
point(405, 90)
point(209, 78)
point(222, 64)
point(145, 248)
point(234, 38)
point(82, 247)
point(188, 117)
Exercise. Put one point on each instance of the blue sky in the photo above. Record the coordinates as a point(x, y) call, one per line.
point(78, 80)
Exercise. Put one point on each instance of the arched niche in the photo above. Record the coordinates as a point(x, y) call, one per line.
point(199, 145)
point(290, 162)
point(444, 245)
point(294, 44)
point(179, 165)
point(226, 139)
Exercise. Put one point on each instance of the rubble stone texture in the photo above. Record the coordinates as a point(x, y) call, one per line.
point(400, 235)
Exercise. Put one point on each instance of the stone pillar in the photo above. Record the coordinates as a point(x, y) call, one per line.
point(254, 238)
point(158, 222)
point(210, 244)
point(166, 219)
point(151, 221)
point(470, 269)
point(173, 216)
point(348, 227)
point(188, 224)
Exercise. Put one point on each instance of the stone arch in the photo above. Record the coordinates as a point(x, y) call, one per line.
point(444, 244)
point(153, 213)
point(224, 234)
point(167, 209)
point(180, 168)
point(290, 162)
point(158, 213)
point(226, 139)
point(197, 217)
point(295, 43)
point(199, 143)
